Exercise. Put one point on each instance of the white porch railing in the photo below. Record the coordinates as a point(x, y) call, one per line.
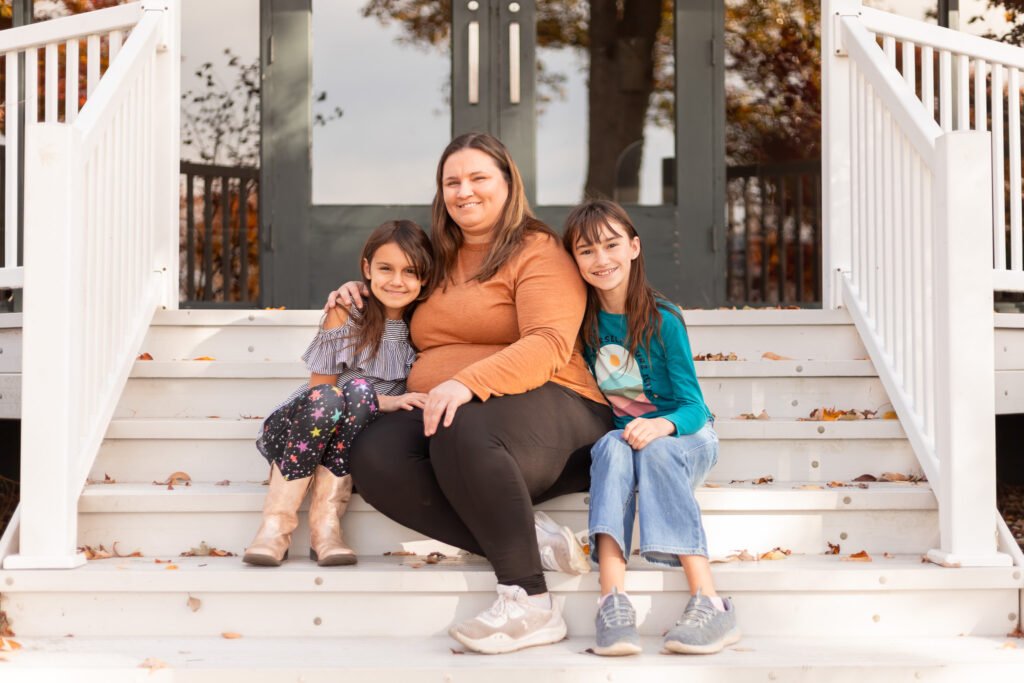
point(908, 207)
point(101, 254)
point(106, 28)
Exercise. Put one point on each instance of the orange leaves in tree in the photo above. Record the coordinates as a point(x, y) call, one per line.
point(862, 556)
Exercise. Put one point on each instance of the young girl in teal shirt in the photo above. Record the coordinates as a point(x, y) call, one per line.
point(664, 443)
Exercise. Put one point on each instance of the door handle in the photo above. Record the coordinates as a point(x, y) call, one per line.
point(473, 43)
point(514, 74)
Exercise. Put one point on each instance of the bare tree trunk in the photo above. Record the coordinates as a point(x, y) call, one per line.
point(621, 82)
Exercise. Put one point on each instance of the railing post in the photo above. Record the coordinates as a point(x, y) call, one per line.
point(52, 322)
point(167, 107)
point(965, 359)
point(836, 156)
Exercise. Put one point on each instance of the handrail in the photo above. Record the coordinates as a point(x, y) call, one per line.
point(101, 238)
point(71, 27)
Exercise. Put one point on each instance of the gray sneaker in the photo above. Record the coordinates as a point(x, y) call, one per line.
point(616, 627)
point(703, 629)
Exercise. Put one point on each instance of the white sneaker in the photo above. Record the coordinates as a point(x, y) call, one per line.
point(559, 549)
point(511, 623)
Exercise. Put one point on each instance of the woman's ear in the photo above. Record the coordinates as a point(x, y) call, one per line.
point(366, 269)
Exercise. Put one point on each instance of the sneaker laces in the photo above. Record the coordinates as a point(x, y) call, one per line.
point(617, 612)
point(698, 612)
point(500, 608)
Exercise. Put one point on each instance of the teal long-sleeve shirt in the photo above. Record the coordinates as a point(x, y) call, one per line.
point(662, 383)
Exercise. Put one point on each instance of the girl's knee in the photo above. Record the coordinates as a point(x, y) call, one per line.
point(611, 450)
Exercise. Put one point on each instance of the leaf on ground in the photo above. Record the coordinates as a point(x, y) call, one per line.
point(716, 356)
point(144, 356)
point(866, 477)
point(97, 553)
point(889, 556)
point(1008, 645)
point(204, 358)
point(107, 479)
point(194, 603)
point(862, 556)
point(8, 645)
point(399, 553)
point(1015, 633)
point(435, 557)
point(770, 355)
point(171, 566)
point(230, 635)
point(134, 553)
point(152, 663)
point(894, 476)
point(275, 308)
point(175, 478)
point(223, 482)
point(204, 550)
point(457, 652)
point(5, 625)
point(890, 415)
point(157, 560)
point(415, 565)
point(737, 556)
point(823, 415)
point(833, 548)
point(251, 417)
point(776, 554)
point(265, 482)
point(838, 484)
point(763, 415)
point(712, 485)
point(808, 487)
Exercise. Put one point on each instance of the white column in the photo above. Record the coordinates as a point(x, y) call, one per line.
point(51, 323)
point(965, 359)
point(835, 163)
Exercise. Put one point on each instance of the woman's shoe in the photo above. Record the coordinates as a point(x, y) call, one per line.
point(560, 551)
point(280, 517)
point(327, 504)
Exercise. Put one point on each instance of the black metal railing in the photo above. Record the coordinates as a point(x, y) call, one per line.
point(773, 227)
point(219, 236)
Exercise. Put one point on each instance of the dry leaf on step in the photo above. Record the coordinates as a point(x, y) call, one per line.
point(1008, 645)
point(399, 553)
point(231, 635)
point(738, 556)
point(890, 415)
point(107, 479)
point(763, 415)
point(712, 485)
point(5, 625)
point(894, 476)
point(435, 557)
point(808, 487)
point(457, 652)
point(176, 478)
point(838, 484)
point(171, 566)
point(862, 556)
point(204, 358)
point(8, 645)
point(1015, 633)
point(134, 553)
point(223, 482)
point(144, 356)
point(204, 550)
point(766, 479)
point(97, 553)
point(769, 355)
point(152, 663)
point(833, 548)
point(716, 356)
point(194, 603)
point(775, 554)
point(823, 415)
point(888, 555)
point(866, 477)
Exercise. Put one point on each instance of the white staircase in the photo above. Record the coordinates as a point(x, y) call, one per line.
point(200, 417)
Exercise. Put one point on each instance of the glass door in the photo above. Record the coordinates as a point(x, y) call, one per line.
point(361, 96)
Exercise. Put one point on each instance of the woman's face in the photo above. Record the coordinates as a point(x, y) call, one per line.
point(474, 191)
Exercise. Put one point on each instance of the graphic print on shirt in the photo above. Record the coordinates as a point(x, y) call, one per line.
point(620, 380)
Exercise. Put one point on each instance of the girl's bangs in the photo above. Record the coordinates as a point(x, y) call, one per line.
point(594, 227)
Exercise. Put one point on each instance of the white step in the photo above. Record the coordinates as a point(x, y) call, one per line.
point(390, 596)
point(894, 518)
point(401, 660)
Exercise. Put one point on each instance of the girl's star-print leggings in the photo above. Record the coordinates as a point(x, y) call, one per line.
point(318, 428)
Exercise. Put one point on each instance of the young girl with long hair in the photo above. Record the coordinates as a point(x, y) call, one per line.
point(358, 364)
point(664, 444)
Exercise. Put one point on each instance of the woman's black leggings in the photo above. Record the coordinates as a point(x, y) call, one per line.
point(473, 485)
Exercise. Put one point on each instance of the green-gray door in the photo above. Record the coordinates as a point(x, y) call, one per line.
point(361, 96)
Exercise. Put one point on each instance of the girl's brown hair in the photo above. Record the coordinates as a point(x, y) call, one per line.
point(590, 223)
point(515, 220)
point(415, 244)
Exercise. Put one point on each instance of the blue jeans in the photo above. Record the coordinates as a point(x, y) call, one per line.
point(665, 474)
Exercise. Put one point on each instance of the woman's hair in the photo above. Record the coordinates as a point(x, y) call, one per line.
point(514, 222)
point(589, 223)
point(415, 244)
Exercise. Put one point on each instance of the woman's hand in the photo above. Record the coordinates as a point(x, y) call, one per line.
point(390, 404)
point(642, 431)
point(348, 294)
point(442, 401)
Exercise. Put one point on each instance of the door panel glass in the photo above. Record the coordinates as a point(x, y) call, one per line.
point(381, 110)
point(605, 102)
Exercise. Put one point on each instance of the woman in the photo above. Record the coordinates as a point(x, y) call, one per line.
point(511, 410)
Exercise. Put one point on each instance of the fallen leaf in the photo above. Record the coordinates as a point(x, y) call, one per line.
point(763, 415)
point(135, 553)
point(231, 635)
point(457, 652)
point(415, 565)
point(179, 478)
point(890, 415)
point(152, 663)
point(837, 484)
point(712, 485)
point(144, 356)
point(1015, 633)
point(888, 555)
point(159, 561)
point(833, 548)
point(808, 487)
point(171, 566)
point(738, 556)
point(204, 550)
point(251, 417)
point(106, 480)
point(194, 603)
point(273, 308)
point(716, 356)
point(1008, 645)
point(862, 556)
point(866, 477)
point(769, 355)
point(775, 554)
point(894, 476)
point(97, 553)
point(435, 557)
point(223, 482)
point(204, 358)
point(8, 645)
point(5, 625)
point(398, 553)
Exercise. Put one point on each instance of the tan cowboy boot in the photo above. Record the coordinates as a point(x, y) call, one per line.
point(280, 517)
point(327, 504)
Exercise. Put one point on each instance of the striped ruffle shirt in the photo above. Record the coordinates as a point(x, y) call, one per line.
point(333, 352)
